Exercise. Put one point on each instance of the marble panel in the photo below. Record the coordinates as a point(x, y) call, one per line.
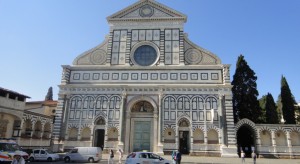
point(168, 46)
point(116, 47)
point(142, 35)
point(175, 45)
point(149, 35)
point(175, 34)
point(135, 35)
point(156, 35)
point(168, 34)
point(116, 36)
point(175, 57)
point(123, 35)
point(168, 58)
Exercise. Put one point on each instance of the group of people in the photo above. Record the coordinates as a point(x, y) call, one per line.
point(253, 155)
point(18, 159)
point(111, 156)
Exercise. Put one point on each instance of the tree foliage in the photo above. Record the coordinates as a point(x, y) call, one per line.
point(279, 109)
point(288, 102)
point(49, 95)
point(269, 110)
point(244, 90)
point(297, 114)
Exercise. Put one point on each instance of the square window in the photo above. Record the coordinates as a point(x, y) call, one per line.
point(96, 76)
point(144, 76)
point(184, 76)
point(115, 76)
point(105, 76)
point(164, 76)
point(76, 76)
point(134, 76)
point(124, 76)
point(86, 76)
point(154, 76)
point(194, 76)
point(204, 76)
point(173, 76)
point(214, 76)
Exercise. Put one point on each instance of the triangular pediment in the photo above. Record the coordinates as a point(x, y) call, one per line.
point(147, 10)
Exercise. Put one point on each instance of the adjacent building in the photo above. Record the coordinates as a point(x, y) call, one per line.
point(31, 126)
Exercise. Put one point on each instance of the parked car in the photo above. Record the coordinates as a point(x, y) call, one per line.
point(43, 155)
point(83, 154)
point(145, 157)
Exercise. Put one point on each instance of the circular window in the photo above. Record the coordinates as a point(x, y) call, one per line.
point(145, 55)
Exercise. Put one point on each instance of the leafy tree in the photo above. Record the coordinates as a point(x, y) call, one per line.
point(244, 90)
point(288, 102)
point(262, 103)
point(49, 95)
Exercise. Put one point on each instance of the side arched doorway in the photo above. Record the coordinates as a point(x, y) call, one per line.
point(99, 133)
point(246, 137)
point(184, 135)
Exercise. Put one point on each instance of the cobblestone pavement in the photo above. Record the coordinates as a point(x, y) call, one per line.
point(218, 160)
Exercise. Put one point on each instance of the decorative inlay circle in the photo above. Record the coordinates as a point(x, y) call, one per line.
point(146, 11)
point(98, 57)
point(193, 56)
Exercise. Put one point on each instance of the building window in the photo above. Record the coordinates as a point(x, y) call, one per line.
point(145, 55)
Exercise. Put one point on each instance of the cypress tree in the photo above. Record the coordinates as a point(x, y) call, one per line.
point(49, 95)
point(288, 103)
point(271, 111)
point(279, 109)
point(298, 114)
point(244, 90)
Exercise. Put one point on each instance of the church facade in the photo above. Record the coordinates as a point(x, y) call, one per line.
point(147, 87)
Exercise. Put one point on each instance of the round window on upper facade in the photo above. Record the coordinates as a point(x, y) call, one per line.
point(145, 55)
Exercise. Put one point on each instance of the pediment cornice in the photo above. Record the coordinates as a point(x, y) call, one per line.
point(161, 12)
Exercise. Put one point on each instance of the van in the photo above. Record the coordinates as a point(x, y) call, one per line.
point(43, 155)
point(8, 148)
point(83, 154)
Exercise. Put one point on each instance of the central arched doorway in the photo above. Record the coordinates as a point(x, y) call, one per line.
point(142, 126)
point(246, 137)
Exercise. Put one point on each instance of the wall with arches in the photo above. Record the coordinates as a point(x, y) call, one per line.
point(275, 140)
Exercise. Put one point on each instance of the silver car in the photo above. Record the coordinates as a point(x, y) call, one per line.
point(145, 158)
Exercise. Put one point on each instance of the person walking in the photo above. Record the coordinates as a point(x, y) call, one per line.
point(120, 151)
point(254, 157)
point(111, 157)
point(178, 157)
point(243, 156)
point(174, 156)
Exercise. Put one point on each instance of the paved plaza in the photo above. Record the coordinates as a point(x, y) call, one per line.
point(218, 160)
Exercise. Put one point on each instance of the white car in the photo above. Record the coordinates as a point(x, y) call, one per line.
point(145, 158)
point(43, 155)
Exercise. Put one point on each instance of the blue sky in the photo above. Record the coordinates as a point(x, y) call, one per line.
point(38, 36)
